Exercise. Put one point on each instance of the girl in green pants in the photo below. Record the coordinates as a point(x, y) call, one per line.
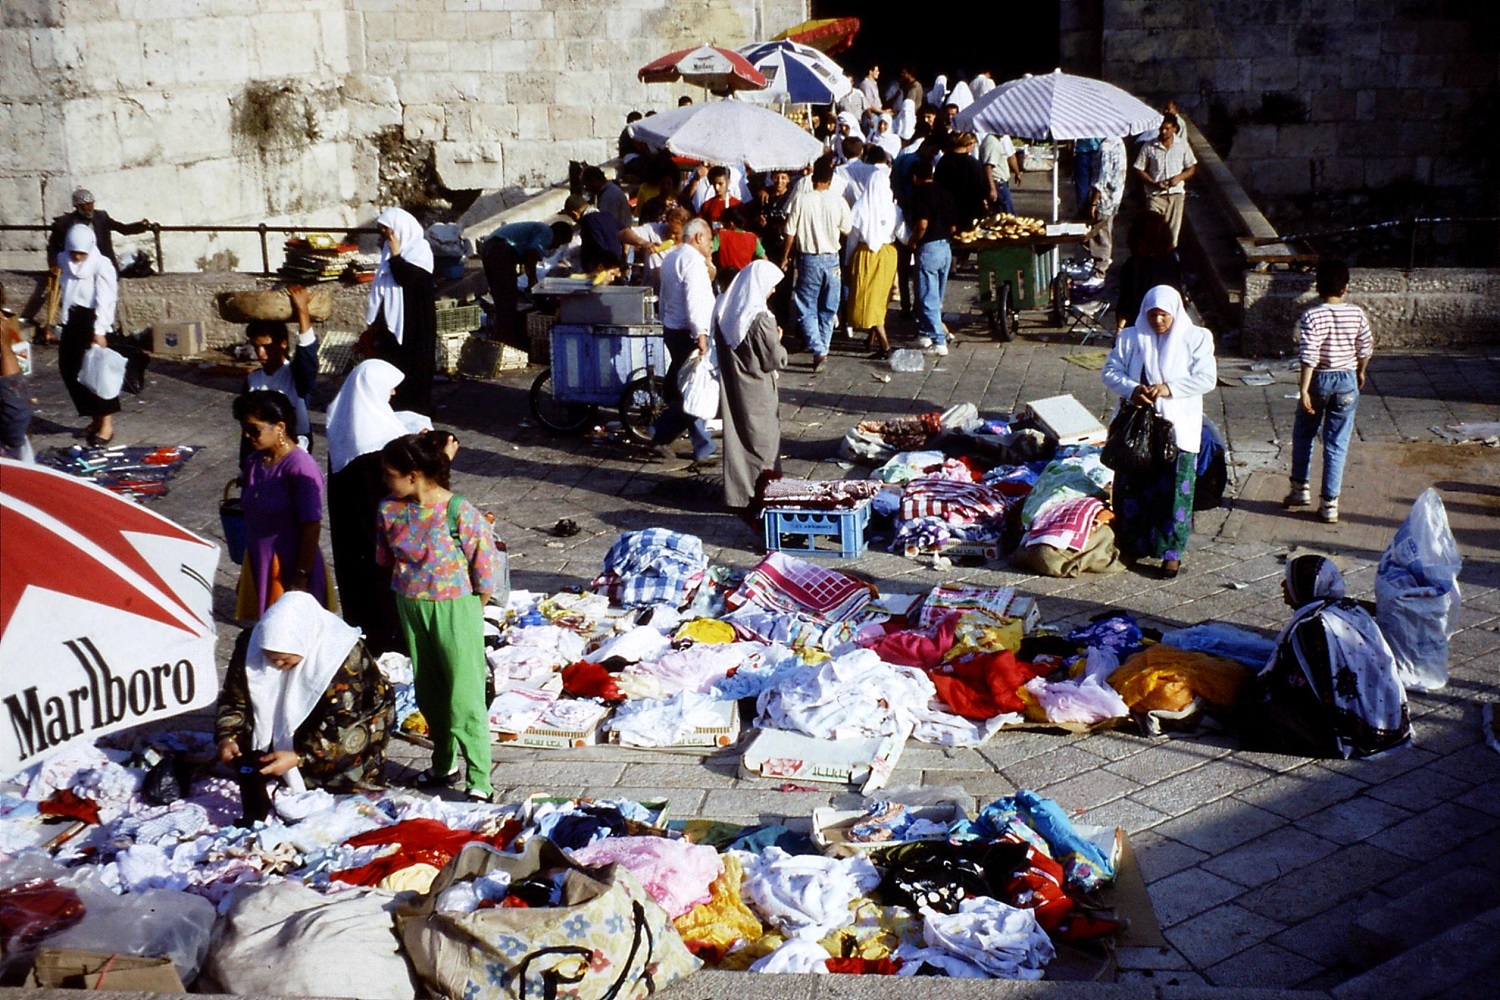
point(444, 569)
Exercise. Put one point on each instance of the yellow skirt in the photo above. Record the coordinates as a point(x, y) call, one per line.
point(871, 278)
point(246, 604)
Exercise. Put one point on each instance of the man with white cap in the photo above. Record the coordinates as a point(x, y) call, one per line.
point(85, 214)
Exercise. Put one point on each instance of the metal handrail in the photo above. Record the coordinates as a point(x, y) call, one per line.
point(262, 229)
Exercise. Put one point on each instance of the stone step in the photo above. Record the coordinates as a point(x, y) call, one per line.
point(1453, 960)
point(1421, 915)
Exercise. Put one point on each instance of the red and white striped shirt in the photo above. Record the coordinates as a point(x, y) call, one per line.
point(1334, 337)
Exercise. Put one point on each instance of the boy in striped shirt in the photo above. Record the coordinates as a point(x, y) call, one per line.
point(1334, 346)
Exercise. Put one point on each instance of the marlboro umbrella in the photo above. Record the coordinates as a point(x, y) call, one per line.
point(106, 614)
point(715, 69)
point(730, 132)
point(796, 73)
point(829, 34)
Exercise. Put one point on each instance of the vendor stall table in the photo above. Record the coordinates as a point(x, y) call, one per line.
point(1021, 274)
point(600, 365)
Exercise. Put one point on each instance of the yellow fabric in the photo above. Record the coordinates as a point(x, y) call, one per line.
point(724, 919)
point(417, 878)
point(1166, 679)
point(871, 278)
point(415, 724)
point(812, 656)
point(742, 958)
point(980, 633)
point(876, 933)
point(1032, 708)
point(707, 630)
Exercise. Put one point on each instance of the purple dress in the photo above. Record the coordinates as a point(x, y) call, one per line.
point(277, 502)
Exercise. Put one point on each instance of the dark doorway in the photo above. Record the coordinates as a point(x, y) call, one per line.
point(1009, 40)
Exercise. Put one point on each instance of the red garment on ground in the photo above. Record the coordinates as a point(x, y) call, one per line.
point(983, 686)
point(421, 841)
point(1041, 888)
point(865, 966)
point(586, 679)
point(65, 803)
point(915, 647)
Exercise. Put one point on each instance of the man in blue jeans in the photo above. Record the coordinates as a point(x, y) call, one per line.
point(815, 228)
point(930, 213)
point(1334, 346)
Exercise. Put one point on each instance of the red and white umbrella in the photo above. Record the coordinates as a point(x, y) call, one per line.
point(106, 614)
point(718, 70)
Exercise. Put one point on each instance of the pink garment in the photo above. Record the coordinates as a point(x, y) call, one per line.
point(1084, 701)
point(1064, 525)
point(696, 669)
point(675, 873)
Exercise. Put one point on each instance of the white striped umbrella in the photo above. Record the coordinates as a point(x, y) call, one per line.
point(1058, 106)
point(730, 132)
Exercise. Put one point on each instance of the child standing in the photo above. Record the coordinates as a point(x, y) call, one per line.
point(445, 568)
point(292, 375)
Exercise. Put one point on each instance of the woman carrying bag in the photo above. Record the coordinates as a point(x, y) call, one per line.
point(1164, 361)
point(402, 308)
point(444, 569)
point(90, 292)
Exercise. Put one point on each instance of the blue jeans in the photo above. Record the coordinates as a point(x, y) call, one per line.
point(669, 426)
point(1335, 394)
point(816, 299)
point(1003, 202)
point(1085, 172)
point(933, 260)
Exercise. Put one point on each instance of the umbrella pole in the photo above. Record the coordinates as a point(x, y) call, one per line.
point(1054, 183)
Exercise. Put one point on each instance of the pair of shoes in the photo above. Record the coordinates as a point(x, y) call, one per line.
point(819, 361)
point(663, 453)
point(1170, 568)
point(475, 795)
point(1297, 496)
point(1328, 512)
point(937, 351)
point(880, 355)
point(924, 342)
point(429, 779)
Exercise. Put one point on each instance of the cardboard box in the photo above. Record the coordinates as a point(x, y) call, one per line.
point(831, 828)
point(1067, 420)
point(66, 968)
point(178, 340)
point(724, 732)
point(778, 753)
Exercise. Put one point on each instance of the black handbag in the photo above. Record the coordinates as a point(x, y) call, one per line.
point(1140, 442)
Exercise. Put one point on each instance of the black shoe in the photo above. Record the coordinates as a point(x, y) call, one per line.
point(880, 355)
point(475, 795)
point(427, 779)
point(1170, 569)
point(819, 362)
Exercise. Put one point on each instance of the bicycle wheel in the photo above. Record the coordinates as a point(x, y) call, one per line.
point(1062, 295)
point(1002, 320)
point(552, 413)
point(643, 401)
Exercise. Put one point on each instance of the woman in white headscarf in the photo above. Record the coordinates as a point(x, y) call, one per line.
point(1331, 688)
point(960, 96)
point(306, 701)
point(360, 423)
point(872, 267)
point(938, 94)
point(1165, 361)
point(884, 136)
point(90, 291)
point(750, 354)
point(401, 311)
point(905, 125)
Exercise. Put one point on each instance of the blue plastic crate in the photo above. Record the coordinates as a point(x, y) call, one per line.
point(808, 526)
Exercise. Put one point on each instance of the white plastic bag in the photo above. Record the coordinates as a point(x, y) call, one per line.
point(700, 387)
point(1416, 594)
point(103, 372)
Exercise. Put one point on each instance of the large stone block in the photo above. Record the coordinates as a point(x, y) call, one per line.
point(467, 166)
point(488, 24)
point(533, 121)
point(19, 77)
point(532, 88)
point(1366, 139)
point(21, 200)
point(88, 128)
point(423, 122)
point(532, 164)
point(621, 25)
point(285, 44)
point(1364, 106)
point(1421, 70)
point(425, 57)
point(583, 87)
point(112, 56)
point(1383, 170)
point(1307, 140)
point(215, 51)
point(571, 123)
point(538, 23)
point(1275, 73)
point(494, 121)
point(447, 26)
point(34, 142)
point(439, 88)
point(1359, 72)
point(31, 14)
point(1255, 140)
point(1341, 173)
point(508, 55)
point(1279, 176)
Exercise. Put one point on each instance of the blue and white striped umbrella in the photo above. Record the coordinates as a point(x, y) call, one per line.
point(1061, 106)
point(798, 74)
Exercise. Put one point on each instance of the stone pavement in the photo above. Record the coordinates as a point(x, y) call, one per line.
point(1261, 868)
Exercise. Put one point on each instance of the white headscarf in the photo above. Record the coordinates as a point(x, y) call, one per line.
point(873, 219)
point(1182, 358)
point(745, 299)
point(961, 95)
point(361, 419)
point(981, 85)
point(938, 92)
point(906, 120)
point(887, 140)
point(385, 293)
point(281, 700)
point(91, 284)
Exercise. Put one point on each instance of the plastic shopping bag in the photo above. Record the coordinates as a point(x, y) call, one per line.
point(700, 387)
point(1140, 442)
point(1416, 594)
point(103, 372)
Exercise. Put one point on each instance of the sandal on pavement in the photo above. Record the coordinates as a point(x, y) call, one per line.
point(428, 779)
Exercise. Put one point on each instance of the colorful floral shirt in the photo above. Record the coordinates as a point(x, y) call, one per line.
point(428, 565)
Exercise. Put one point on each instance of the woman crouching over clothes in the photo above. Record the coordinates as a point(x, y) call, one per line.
point(1164, 361)
point(445, 567)
point(304, 701)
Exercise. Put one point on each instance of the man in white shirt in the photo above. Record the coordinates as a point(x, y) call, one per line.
point(1001, 167)
point(1165, 165)
point(686, 305)
point(818, 222)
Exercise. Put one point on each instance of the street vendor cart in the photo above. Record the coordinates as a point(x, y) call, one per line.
point(606, 350)
point(1021, 272)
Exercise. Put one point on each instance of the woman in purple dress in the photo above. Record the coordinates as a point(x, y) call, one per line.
point(281, 491)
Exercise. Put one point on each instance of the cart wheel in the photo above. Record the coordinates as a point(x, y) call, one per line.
point(552, 413)
point(643, 401)
point(1002, 320)
point(1062, 297)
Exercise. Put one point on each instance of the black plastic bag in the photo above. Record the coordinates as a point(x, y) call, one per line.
point(136, 362)
point(1141, 442)
point(940, 875)
point(168, 781)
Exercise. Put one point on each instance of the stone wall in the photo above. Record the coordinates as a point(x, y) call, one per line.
point(1426, 307)
point(1312, 95)
point(201, 112)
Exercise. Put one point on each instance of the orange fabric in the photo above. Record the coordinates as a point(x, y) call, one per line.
point(1164, 679)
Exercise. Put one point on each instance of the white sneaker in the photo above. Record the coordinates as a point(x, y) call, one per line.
point(924, 342)
point(1328, 511)
point(937, 351)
